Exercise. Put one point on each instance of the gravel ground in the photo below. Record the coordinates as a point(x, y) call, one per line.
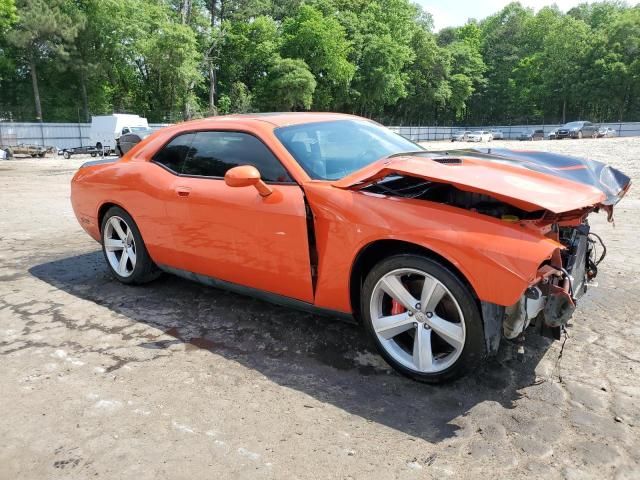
point(176, 380)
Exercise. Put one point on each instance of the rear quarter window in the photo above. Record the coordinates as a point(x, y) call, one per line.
point(174, 153)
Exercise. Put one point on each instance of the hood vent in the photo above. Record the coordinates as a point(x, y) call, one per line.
point(448, 161)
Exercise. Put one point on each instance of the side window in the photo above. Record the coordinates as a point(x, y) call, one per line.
point(213, 153)
point(175, 152)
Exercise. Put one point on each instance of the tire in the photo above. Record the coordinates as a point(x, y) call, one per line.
point(66, 155)
point(41, 155)
point(93, 154)
point(399, 349)
point(99, 148)
point(580, 135)
point(142, 270)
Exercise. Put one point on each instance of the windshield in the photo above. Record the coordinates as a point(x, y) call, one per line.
point(332, 150)
point(573, 124)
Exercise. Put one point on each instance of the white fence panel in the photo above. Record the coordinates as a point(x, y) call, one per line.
point(61, 135)
point(69, 135)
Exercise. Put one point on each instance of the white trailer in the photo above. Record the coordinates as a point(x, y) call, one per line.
point(106, 129)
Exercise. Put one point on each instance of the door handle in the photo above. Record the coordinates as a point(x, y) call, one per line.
point(183, 191)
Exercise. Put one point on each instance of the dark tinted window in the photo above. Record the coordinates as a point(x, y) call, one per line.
point(213, 153)
point(175, 152)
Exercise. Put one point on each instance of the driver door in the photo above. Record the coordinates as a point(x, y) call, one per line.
point(234, 234)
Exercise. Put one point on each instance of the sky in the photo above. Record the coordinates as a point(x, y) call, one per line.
point(452, 13)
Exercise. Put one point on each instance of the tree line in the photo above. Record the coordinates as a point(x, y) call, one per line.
point(170, 60)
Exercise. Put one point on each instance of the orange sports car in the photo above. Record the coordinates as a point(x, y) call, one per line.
point(440, 255)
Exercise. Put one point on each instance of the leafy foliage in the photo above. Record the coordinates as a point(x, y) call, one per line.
point(174, 59)
point(8, 14)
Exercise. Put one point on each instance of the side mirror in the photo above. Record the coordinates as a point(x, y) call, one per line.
point(246, 176)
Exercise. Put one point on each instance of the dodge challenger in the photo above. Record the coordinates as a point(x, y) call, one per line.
point(440, 255)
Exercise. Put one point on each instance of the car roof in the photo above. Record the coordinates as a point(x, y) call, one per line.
point(278, 119)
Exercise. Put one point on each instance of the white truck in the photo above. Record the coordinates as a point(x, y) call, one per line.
point(106, 129)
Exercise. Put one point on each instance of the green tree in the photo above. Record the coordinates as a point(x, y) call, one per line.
point(620, 65)
point(321, 42)
point(45, 30)
point(8, 14)
point(503, 46)
point(428, 88)
point(289, 86)
point(240, 98)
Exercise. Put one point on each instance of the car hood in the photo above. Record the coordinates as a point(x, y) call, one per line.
point(528, 180)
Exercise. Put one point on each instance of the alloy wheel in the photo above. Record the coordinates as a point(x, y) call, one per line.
point(417, 320)
point(120, 246)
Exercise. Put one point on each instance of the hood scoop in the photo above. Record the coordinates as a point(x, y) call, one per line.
point(448, 160)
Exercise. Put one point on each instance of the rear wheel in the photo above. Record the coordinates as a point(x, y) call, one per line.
point(422, 318)
point(124, 249)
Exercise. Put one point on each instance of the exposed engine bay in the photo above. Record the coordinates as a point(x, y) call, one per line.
point(412, 187)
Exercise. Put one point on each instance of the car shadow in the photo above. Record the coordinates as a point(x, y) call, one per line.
point(325, 358)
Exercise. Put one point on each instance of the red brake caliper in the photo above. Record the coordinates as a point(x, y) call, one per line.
point(396, 307)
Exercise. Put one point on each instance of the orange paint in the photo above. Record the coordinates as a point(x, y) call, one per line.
point(234, 233)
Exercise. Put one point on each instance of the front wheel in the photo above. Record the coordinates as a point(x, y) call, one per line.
point(422, 318)
point(124, 249)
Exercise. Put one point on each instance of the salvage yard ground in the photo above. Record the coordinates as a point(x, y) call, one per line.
point(176, 380)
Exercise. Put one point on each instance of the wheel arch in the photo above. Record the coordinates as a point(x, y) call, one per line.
point(378, 250)
point(104, 208)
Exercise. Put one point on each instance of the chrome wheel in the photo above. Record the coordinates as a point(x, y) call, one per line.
point(417, 320)
point(119, 246)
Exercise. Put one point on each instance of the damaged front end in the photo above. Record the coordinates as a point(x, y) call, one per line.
point(551, 195)
point(550, 301)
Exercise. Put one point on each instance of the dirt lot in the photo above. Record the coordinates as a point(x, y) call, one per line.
point(176, 380)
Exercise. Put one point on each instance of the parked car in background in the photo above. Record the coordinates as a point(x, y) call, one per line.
point(532, 135)
point(480, 136)
point(606, 132)
point(579, 129)
point(106, 129)
point(497, 134)
point(552, 134)
point(439, 255)
point(130, 137)
point(461, 136)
